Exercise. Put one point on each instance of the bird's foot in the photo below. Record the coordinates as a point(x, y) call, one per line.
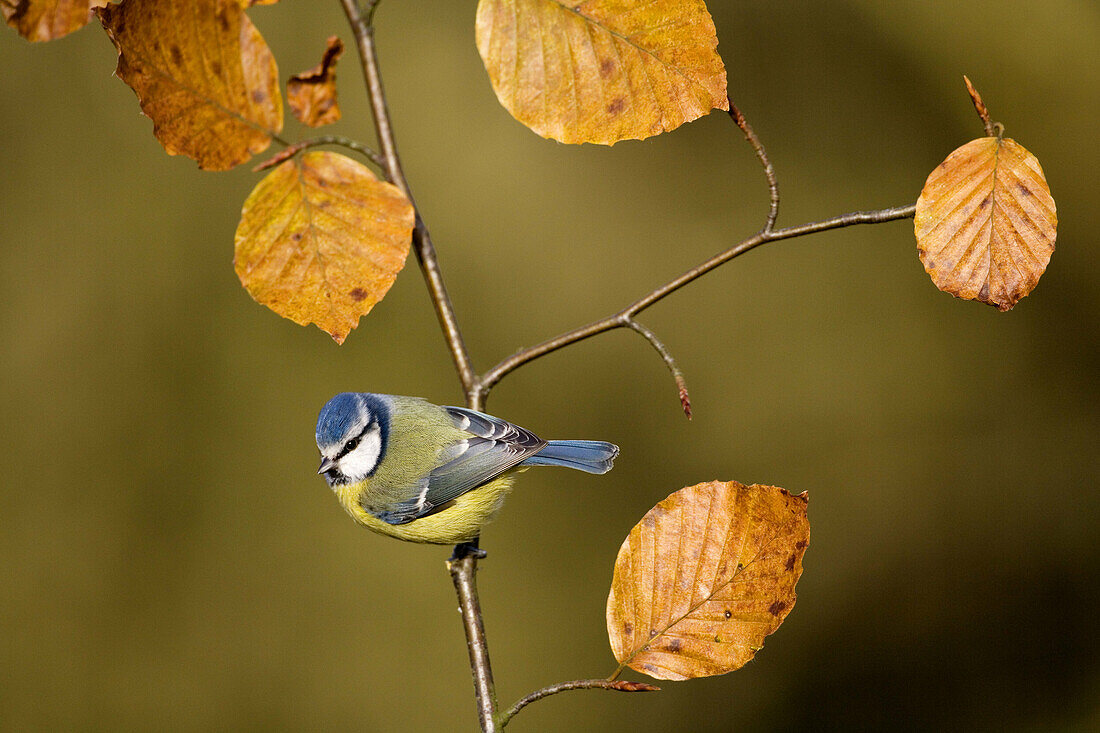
point(468, 549)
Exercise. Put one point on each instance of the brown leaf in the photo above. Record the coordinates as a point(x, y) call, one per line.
point(202, 73)
point(45, 20)
point(704, 577)
point(601, 71)
point(986, 222)
point(321, 241)
point(312, 94)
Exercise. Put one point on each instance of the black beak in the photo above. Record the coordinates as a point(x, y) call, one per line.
point(327, 464)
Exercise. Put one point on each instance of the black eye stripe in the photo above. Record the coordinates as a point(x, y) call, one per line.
point(353, 443)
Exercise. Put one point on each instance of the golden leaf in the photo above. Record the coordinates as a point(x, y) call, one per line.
point(601, 71)
point(312, 94)
point(321, 240)
point(986, 222)
point(202, 73)
point(45, 20)
point(704, 577)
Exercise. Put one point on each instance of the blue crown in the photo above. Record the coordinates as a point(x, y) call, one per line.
point(337, 417)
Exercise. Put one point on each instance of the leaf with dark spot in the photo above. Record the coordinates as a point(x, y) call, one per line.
point(326, 265)
point(708, 572)
point(986, 223)
point(220, 121)
point(601, 71)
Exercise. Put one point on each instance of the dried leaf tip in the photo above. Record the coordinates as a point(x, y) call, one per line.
point(980, 108)
point(312, 94)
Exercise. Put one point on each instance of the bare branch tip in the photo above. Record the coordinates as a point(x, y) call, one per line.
point(628, 686)
point(980, 108)
point(685, 398)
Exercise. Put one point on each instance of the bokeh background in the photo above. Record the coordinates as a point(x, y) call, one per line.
point(169, 560)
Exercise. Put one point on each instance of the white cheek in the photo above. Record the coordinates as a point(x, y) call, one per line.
point(358, 464)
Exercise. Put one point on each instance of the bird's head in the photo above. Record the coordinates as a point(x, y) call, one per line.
point(352, 431)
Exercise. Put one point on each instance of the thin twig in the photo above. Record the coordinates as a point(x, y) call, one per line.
point(600, 684)
point(619, 320)
point(291, 150)
point(762, 155)
point(666, 355)
point(361, 23)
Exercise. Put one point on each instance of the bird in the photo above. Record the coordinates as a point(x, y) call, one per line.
point(420, 472)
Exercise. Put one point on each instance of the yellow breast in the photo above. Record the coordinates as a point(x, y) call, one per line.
point(460, 522)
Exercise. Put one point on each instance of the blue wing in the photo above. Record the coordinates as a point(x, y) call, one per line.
point(493, 447)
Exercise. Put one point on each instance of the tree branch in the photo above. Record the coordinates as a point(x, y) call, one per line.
point(463, 565)
point(600, 684)
point(622, 318)
point(361, 23)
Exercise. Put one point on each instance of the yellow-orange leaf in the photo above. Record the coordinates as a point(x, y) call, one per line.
point(704, 577)
point(601, 71)
point(202, 73)
point(45, 20)
point(986, 222)
point(321, 241)
point(312, 94)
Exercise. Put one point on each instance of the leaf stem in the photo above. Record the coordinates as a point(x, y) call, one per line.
point(293, 149)
point(598, 684)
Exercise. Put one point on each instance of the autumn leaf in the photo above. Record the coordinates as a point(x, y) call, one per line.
point(603, 70)
point(986, 223)
point(45, 20)
point(704, 577)
point(321, 241)
point(202, 73)
point(312, 94)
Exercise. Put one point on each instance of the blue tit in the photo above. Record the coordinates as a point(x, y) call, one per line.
point(406, 468)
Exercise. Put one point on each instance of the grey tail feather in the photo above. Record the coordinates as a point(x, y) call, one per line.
point(593, 456)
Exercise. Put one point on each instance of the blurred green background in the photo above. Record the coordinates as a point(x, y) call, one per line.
point(171, 562)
